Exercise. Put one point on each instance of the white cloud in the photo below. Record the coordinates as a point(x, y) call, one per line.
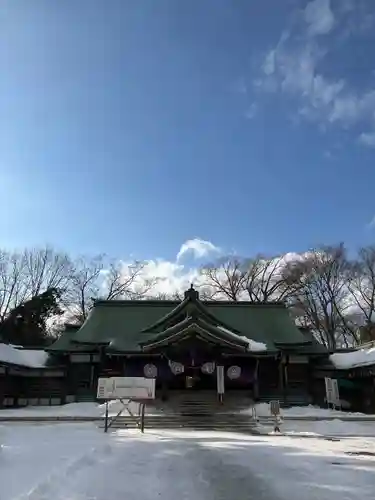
point(369, 140)
point(269, 64)
point(294, 67)
point(251, 111)
point(173, 276)
point(319, 17)
point(198, 248)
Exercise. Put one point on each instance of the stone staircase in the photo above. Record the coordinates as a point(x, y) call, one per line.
point(294, 398)
point(195, 411)
point(85, 398)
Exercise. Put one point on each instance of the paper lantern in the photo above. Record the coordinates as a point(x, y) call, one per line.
point(208, 368)
point(176, 368)
point(234, 372)
point(150, 371)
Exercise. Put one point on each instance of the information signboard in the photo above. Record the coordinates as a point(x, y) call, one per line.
point(126, 388)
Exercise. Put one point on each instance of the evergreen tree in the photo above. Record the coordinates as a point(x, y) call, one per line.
point(26, 324)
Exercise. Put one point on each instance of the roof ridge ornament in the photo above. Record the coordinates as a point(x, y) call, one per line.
point(191, 293)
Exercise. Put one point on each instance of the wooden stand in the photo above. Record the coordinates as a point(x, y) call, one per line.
point(139, 419)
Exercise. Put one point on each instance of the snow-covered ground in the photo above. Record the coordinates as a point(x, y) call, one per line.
point(263, 410)
point(80, 462)
point(325, 428)
point(69, 410)
point(95, 410)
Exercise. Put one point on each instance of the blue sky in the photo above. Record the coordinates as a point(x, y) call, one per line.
point(131, 127)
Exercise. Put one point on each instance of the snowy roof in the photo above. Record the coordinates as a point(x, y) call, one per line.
point(252, 345)
point(23, 357)
point(361, 357)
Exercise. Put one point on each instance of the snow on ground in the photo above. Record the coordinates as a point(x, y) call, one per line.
point(80, 462)
point(263, 410)
point(70, 410)
point(325, 428)
point(96, 410)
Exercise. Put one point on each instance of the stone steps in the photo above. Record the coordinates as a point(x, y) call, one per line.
point(291, 400)
point(230, 423)
point(195, 411)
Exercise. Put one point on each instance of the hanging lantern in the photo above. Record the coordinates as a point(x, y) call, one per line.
point(234, 372)
point(150, 371)
point(208, 368)
point(176, 368)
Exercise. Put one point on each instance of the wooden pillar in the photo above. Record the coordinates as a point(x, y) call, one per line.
point(285, 373)
point(92, 373)
point(281, 377)
point(256, 380)
point(164, 390)
point(2, 388)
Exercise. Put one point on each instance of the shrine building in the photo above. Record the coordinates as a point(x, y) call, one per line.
point(256, 349)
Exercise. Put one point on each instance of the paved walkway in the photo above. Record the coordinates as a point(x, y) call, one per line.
point(201, 468)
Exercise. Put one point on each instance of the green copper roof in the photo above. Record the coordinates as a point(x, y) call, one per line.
point(65, 342)
point(196, 326)
point(124, 326)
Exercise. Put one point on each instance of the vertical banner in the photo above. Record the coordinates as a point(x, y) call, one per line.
point(329, 390)
point(335, 393)
point(220, 379)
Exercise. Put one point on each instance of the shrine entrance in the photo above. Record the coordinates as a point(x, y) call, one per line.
point(196, 380)
point(193, 379)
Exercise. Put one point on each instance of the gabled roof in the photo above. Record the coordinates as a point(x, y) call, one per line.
point(65, 343)
point(127, 326)
point(190, 307)
point(198, 327)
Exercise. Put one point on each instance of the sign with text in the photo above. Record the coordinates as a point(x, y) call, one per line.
point(126, 388)
point(275, 407)
point(332, 391)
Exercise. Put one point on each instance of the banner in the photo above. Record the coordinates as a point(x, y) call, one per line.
point(332, 391)
point(220, 379)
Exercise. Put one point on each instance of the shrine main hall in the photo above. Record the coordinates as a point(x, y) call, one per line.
point(192, 345)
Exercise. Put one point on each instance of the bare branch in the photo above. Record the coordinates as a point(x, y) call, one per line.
point(226, 280)
point(320, 294)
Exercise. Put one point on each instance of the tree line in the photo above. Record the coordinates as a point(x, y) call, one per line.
point(326, 290)
point(40, 289)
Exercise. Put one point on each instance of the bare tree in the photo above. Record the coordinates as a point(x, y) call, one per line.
point(266, 279)
point(260, 279)
point(362, 283)
point(176, 295)
point(26, 274)
point(320, 296)
point(224, 280)
point(99, 278)
point(127, 281)
point(85, 286)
